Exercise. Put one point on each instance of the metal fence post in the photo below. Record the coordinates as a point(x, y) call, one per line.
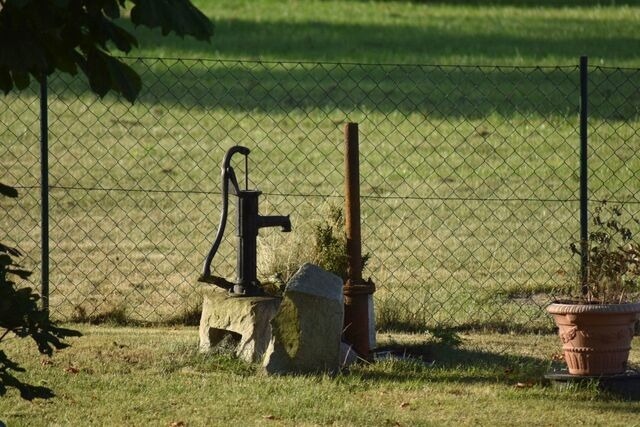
point(44, 193)
point(359, 330)
point(584, 195)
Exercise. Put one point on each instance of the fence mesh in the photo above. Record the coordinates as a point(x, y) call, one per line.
point(469, 180)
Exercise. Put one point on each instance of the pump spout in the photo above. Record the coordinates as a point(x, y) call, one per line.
point(275, 221)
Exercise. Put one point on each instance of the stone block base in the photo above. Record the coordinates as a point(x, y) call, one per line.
point(246, 318)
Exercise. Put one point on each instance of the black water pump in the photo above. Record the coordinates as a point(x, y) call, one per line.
point(248, 224)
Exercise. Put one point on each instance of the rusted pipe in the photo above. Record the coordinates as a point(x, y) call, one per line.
point(356, 291)
point(352, 201)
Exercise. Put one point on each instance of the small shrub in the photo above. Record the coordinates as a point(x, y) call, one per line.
point(330, 243)
point(281, 255)
point(614, 259)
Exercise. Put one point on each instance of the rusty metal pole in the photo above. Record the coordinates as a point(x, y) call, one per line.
point(357, 292)
point(352, 201)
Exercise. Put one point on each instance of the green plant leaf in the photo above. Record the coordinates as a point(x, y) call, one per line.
point(21, 79)
point(124, 79)
point(6, 84)
point(123, 40)
point(97, 72)
point(111, 9)
point(179, 16)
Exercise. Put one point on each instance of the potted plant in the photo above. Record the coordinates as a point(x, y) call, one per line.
point(596, 322)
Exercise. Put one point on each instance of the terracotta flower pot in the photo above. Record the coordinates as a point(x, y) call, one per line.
point(596, 338)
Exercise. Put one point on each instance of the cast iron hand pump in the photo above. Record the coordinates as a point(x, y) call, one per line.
point(248, 223)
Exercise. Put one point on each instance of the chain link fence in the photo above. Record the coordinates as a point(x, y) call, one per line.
point(469, 180)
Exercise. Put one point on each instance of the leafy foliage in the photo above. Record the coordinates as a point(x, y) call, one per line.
point(21, 317)
point(40, 37)
point(36, 39)
point(330, 243)
point(614, 258)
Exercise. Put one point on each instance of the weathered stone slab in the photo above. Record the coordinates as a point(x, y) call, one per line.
point(247, 317)
point(307, 329)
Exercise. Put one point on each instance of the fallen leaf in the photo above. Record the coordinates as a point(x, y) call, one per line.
point(46, 362)
point(404, 404)
point(269, 417)
point(178, 424)
point(524, 385)
point(71, 370)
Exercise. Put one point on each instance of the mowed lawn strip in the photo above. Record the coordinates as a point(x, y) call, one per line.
point(156, 377)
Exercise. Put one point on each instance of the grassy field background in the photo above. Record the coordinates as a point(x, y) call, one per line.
point(148, 376)
point(469, 164)
point(543, 32)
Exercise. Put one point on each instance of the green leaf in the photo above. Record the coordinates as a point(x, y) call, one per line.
point(179, 16)
point(21, 79)
point(124, 79)
point(6, 84)
point(119, 36)
point(97, 72)
point(66, 64)
point(39, 37)
point(19, 4)
point(112, 9)
point(107, 73)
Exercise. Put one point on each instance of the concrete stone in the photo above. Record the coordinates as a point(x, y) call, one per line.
point(307, 328)
point(372, 323)
point(246, 318)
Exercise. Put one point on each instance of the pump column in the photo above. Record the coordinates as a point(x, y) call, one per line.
point(247, 282)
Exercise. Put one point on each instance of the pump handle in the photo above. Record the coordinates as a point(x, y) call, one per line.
point(228, 175)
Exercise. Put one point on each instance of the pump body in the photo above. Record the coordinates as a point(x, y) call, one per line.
point(248, 222)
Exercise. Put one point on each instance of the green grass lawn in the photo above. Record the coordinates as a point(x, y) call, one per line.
point(469, 173)
point(536, 33)
point(145, 376)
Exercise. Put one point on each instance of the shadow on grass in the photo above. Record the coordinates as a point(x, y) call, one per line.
point(239, 90)
point(501, 327)
point(119, 316)
point(445, 362)
point(442, 358)
point(318, 40)
point(393, 317)
point(523, 3)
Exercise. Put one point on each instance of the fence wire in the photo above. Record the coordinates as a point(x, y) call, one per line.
point(469, 180)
